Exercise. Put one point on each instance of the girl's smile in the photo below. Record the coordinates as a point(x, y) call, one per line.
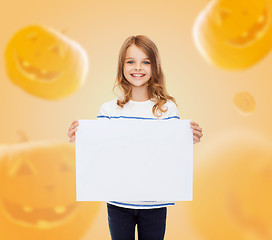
point(137, 76)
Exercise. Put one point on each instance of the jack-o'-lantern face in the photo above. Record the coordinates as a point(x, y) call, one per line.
point(234, 34)
point(43, 72)
point(240, 26)
point(38, 193)
point(45, 63)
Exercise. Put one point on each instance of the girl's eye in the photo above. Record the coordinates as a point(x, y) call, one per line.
point(145, 62)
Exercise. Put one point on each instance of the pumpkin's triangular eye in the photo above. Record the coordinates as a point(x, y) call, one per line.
point(24, 169)
point(56, 49)
point(224, 13)
point(221, 14)
point(65, 168)
point(32, 36)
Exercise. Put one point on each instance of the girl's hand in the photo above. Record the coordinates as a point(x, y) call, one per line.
point(72, 130)
point(197, 132)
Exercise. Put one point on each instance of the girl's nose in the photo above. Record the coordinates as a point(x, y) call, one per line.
point(138, 67)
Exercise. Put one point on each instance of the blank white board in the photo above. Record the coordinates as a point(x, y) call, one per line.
point(134, 160)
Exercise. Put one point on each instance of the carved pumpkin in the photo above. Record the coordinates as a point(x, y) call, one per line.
point(232, 189)
point(45, 63)
point(38, 193)
point(234, 34)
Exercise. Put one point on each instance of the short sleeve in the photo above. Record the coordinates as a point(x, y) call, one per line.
point(173, 111)
point(102, 113)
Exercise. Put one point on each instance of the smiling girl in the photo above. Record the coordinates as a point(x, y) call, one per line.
point(144, 96)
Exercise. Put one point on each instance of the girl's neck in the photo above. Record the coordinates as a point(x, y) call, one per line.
point(139, 99)
point(139, 94)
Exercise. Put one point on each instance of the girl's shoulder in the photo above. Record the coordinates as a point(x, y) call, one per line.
point(110, 103)
point(107, 106)
point(170, 103)
point(172, 109)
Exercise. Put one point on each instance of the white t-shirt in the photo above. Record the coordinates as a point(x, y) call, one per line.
point(135, 110)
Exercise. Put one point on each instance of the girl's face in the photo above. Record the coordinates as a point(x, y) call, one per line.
point(137, 63)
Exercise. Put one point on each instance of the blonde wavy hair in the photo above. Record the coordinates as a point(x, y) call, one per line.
point(156, 84)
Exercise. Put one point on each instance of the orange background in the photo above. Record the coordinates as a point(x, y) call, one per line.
point(203, 92)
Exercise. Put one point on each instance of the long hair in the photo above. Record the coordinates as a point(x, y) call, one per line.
point(156, 84)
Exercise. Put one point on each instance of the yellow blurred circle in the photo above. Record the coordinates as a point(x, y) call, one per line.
point(244, 102)
point(233, 189)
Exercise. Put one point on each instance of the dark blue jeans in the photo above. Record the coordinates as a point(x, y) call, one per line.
point(151, 223)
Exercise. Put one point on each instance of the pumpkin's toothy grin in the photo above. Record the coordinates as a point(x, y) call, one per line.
point(38, 217)
point(256, 31)
point(35, 73)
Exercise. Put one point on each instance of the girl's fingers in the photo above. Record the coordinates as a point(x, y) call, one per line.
point(71, 132)
point(194, 123)
point(72, 140)
point(197, 128)
point(73, 126)
point(199, 134)
point(196, 139)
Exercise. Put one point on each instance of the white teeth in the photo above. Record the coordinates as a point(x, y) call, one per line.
point(60, 209)
point(27, 209)
point(137, 75)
